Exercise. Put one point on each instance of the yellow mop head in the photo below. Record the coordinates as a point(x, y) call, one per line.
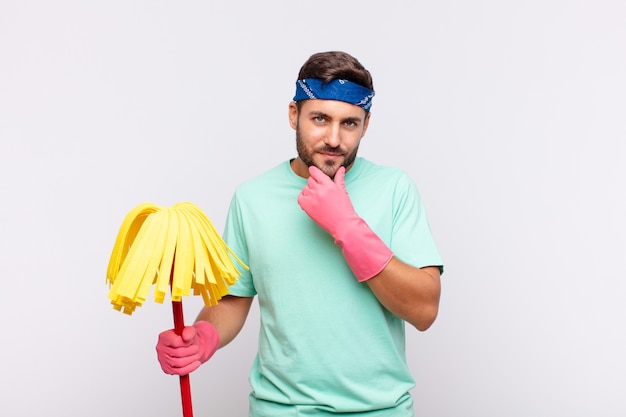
point(169, 246)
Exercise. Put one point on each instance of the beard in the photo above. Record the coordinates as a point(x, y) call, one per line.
point(328, 167)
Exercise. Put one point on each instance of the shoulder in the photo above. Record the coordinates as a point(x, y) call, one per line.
point(273, 187)
point(264, 180)
point(387, 183)
point(368, 171)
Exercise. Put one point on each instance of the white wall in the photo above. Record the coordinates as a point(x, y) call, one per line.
point(508, 115)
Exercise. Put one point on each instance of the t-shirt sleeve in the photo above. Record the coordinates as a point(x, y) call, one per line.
point(412, 241)
point(235, 238)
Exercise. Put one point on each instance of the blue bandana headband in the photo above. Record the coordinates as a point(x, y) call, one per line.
point(341, 90)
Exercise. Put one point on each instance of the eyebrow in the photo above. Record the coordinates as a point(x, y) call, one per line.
point(326, 116)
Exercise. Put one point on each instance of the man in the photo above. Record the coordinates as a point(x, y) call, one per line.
point(340, 256)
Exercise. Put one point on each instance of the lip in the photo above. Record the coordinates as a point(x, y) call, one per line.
point(331, 155)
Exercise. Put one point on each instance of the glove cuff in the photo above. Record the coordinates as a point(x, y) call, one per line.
point(366, 254)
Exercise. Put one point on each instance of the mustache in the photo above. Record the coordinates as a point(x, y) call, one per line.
point(338, 150)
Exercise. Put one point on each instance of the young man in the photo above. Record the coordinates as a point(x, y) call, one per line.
point(340, 256)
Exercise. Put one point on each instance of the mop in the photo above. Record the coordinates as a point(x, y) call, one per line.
point(176, 249)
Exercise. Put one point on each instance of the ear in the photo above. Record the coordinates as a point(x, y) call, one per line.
point(293, 115)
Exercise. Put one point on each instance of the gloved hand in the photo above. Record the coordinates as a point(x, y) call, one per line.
point(181, 355)
point(328, 204)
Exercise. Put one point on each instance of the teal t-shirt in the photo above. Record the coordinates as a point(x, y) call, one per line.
point(326, 345)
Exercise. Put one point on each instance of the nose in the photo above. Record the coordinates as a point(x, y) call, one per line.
point(333, 136)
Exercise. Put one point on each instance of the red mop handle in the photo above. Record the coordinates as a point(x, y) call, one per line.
point(185, 387)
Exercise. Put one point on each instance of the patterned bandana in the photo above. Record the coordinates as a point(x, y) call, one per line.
point(341, 90)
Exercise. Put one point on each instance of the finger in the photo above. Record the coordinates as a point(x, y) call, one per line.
point(191, 351)
point(170, 339)
point(185, 369)
point(188, 333)
point(189, 368)
point(303, 198)
point(339, 177)
point(178, 361)
point(316, 174)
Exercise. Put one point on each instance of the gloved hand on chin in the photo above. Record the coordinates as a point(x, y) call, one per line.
point(328, 204)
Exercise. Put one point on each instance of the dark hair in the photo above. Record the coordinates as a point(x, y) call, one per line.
point(332, 65)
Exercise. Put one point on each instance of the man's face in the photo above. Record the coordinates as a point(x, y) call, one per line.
point(328, 133)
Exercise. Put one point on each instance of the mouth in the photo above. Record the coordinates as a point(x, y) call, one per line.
point(332, 155)
point(331, 159)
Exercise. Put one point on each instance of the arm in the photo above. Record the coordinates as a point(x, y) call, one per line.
point(408, 292)
point(228, 316)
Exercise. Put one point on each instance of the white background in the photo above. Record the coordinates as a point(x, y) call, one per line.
point(509, 116)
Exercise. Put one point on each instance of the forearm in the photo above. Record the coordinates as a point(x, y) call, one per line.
point(228, 316)
point(408, 292)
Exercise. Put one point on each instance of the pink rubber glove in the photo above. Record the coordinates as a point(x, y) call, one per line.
point(181, 355)
point(328, 204)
